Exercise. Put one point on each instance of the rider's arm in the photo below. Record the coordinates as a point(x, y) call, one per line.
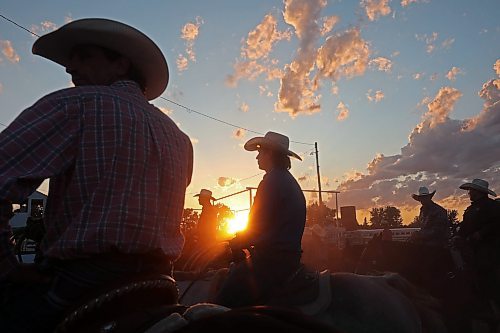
point(35, 146)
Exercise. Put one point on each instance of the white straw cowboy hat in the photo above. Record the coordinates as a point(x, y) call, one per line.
point(478, 185)
point(129, 42)
point(423, 192)
point(205, 193)
point(271, 140)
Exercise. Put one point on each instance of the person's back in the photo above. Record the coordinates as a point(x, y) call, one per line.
point(118, 170)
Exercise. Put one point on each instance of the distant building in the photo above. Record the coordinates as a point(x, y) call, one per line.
point(35, 204)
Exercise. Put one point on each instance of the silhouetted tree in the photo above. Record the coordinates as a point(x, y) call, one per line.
point(316, 214)
point(389, 216)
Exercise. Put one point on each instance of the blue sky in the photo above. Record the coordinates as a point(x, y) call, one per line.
point(390, 90)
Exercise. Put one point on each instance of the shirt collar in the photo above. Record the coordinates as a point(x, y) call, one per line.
point(129, 86)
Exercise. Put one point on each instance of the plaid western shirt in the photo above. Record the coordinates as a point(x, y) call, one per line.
point(118, 170)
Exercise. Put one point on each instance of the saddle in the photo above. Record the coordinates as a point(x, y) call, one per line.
point(309, 291)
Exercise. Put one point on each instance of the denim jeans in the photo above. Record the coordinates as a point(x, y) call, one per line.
point(39, 308)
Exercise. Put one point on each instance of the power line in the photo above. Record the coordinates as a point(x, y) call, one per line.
point(168, 100)
point(225, 122)
point(18, 25)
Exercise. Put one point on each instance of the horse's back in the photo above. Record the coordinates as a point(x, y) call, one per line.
point(386, 303)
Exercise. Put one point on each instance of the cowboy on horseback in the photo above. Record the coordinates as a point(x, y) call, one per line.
point(275, 228)
point(480, 231)
point(118, 170)
point(435, 227)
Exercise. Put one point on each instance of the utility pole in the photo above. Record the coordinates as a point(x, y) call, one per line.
point(319, 178)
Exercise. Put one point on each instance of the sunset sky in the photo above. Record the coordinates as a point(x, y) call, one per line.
point(397, 94)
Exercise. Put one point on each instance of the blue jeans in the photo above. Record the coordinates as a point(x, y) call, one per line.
point(39, 308)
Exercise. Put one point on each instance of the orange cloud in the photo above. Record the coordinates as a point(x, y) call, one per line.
point(496, 67)
point(328, 24)
point(377, 97)
point(376, 8)
point(182, 63)
point(260, 41)
point(244, 107)
point(189, 33)
point(343, 111)
point(343, 55)
point(8, 51)
point(453, 72)
point(405, 3)
point(381, 63)
point(226, 181)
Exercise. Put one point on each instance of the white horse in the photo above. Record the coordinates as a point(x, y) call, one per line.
point(348, 302)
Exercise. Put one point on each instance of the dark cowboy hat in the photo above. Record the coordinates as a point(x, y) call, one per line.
point(478, 185)
point(275, 141)
point(129, 42)
point(423, 192)
point(205, 193)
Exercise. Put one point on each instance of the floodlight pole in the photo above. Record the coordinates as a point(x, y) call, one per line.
point(319, 178)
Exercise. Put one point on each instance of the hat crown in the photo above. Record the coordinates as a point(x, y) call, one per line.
point(205, 193)
point(480, 182)
point(278, 139)
point(423, 191)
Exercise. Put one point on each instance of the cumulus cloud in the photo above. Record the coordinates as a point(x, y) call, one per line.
point(260, 41)
point(441, 153)
point(189, 33)
point(376, 97)
point(343, 111)
point(328, 24)
point(453, 72)
point(225, 181)
point(239, 133)
point(342, 55)
point(166, 110)
point(8, 51)
point(376, 8)
point(428, 40)
point(254, 58)
point(447, 43)
point(381, 63)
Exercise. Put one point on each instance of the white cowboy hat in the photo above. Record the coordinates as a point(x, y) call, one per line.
point(479, 185)
point(422, 192)
point(129, 42)
point(205, 193)
point(271, 140)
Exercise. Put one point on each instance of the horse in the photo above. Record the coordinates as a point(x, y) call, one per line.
point(347, 302)
point(439, 271)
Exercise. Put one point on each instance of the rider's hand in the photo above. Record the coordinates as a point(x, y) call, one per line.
point(27, 274)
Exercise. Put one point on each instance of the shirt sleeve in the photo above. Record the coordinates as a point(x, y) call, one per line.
point(35, 146)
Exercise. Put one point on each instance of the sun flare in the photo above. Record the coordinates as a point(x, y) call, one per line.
point(238, 223)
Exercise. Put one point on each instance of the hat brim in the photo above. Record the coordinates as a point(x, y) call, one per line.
point(129, 42)
point(259, 141)
point(197, 195)
point(419, 196)
point(468, 186)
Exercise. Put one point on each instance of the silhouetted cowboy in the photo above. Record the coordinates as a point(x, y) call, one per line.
point(275, 227)
point(207, 223)
point(435, 227)
point(480, 228)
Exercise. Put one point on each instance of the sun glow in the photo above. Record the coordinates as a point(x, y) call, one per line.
point(238, 223)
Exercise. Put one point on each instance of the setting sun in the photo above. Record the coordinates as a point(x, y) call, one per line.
point(238, 223)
